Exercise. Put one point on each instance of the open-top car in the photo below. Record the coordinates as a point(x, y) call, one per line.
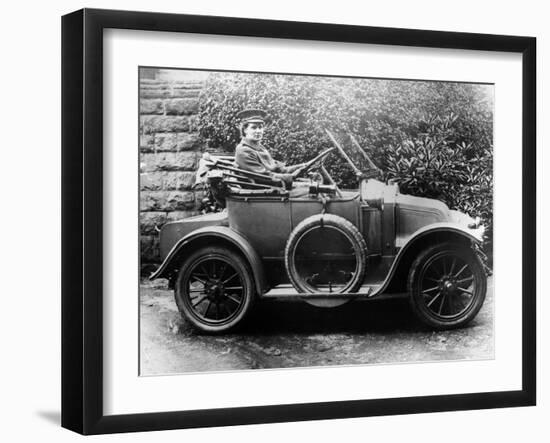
point(303, 238)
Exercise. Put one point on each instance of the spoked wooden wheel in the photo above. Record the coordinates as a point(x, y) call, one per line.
point(447, 285)
point(214, 289)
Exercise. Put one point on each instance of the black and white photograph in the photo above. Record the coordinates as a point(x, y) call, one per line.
point(299, 221)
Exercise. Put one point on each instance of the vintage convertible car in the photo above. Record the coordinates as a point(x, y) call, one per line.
point(267, 238)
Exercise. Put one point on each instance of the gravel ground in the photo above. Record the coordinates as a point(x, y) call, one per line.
point(295, 334)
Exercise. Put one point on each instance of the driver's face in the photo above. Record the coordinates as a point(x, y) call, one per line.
point(254, 131)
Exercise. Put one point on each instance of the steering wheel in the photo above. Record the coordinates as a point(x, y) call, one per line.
point(316, 177)
point(307, 166)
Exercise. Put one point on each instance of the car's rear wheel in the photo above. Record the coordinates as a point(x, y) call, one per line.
point(214, 289)
point(447, 286)
point(326, 254)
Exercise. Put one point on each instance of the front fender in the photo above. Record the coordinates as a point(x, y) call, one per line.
point(212, 235)
point(475, 235)
point(396, 279)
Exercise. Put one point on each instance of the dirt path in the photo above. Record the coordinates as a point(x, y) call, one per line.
point(286, 334)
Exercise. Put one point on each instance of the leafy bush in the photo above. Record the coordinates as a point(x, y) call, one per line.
point(433, 164)
point(434, 138)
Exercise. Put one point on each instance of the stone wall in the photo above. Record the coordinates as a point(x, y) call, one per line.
point(169, 152)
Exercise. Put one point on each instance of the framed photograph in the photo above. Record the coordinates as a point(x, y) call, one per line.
point(273, 221)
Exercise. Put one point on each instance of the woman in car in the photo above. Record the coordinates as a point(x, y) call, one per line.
point(250, 155)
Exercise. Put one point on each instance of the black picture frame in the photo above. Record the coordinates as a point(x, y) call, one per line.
point(82, 218)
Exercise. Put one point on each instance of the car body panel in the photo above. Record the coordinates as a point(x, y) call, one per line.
point(415, 213)
point(267, 222)
point(173, 232)
point(212, 234)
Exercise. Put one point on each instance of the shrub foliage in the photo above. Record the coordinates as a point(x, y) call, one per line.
point(433, 138)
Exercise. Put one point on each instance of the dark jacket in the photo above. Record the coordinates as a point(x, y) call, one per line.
point(255, 158)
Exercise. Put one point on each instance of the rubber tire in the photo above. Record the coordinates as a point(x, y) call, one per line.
point(239, 264)
point(357, 240)
point(415, 298)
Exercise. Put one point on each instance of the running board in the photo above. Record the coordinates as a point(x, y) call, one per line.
point(288, 292)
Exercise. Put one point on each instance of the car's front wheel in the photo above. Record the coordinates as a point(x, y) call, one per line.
point(214, 289)
point(447, 286)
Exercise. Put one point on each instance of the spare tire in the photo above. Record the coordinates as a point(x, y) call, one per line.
point(326, 253)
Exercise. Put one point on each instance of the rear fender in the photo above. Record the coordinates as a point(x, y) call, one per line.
point(211, 235)
point(396, 280)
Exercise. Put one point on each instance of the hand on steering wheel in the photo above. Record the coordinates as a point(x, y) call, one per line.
point(316, 177)
point(306, 166)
